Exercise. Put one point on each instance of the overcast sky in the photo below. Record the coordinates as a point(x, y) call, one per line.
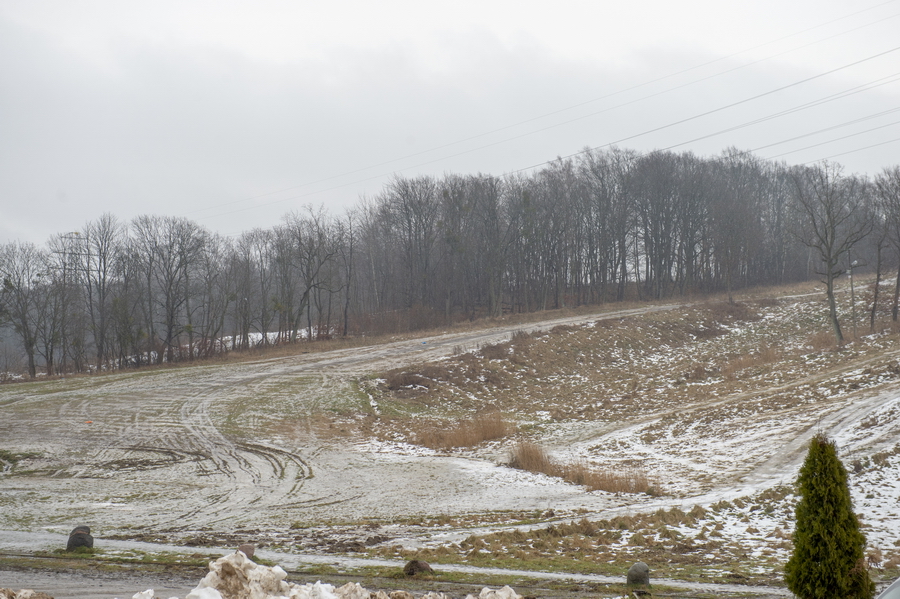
point(235, 113)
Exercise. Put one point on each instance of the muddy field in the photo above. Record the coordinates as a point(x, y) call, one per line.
point(218, 449)
point(299, 453)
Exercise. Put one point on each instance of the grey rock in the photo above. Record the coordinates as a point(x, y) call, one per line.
point(638, 574)
point(416, 566)
point(80, 537)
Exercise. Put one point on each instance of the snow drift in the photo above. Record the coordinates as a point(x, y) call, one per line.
point(236, 576)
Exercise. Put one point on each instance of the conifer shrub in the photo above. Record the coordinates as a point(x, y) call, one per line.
point(828, 559)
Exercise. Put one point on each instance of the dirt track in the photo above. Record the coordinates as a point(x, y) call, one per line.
point(220, 448)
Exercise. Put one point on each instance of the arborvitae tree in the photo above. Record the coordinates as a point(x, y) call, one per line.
point(828, 557)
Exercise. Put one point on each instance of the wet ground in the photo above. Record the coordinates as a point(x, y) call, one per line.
point(238, 446)
point(216, 455)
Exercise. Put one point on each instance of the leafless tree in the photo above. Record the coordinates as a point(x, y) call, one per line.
point(23, 270)
point(100, 243)
point(414, 208)
point(887, 184)
point(167, 246)
point(835, 221)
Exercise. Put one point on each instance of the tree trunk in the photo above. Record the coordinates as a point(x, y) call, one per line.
point(875, 291)
point(896, 298)
point(832, 309)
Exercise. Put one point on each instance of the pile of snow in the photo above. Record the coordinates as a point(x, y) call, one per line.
point(236, 576)
point(22, 594)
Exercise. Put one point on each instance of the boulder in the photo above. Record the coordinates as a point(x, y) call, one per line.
point(80, 537)
point(638, 574)
point(417, 566)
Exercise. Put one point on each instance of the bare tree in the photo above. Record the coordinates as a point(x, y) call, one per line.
point(735, 215)
point(167, 246)
point(59, 324)
point(414, 207)
point(101, 241)
point(22, 268)
point(880, 240)
point(657, 217)
point(306, 244)
point(214, 295)
point(835, 222)
point(888, 185)
point(347, 236)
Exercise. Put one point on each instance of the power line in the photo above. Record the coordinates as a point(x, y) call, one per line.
point(824, 129)
point(890, 141)
point(831, 140)
point(721, 108)
point(656, 129)
point(837, 96)
point(507, 127)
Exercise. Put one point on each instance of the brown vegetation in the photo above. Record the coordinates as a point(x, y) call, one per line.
point(486, 426)
point(427, 377)
point(821, 341)
point(766, 355)
point(533, 458)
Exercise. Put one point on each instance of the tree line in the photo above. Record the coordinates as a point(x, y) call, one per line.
point(605, 226)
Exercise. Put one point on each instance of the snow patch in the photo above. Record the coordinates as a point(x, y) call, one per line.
point(236, 576)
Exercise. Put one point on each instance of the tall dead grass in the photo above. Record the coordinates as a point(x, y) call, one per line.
point(427, 376)
point(821, 341)
point(766, 355)
point(534, 458)
point(466, 433)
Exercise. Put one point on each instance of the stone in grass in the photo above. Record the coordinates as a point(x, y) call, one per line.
point(80, 537)
point(638, 575)
point(417, 566)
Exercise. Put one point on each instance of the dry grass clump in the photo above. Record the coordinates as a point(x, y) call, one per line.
point(533, 458)
point(513, 350)
point(766, 355)
point(767, 302)
point(627, 480)
point(521, 338)
point(707, 331)
point(496, 351)
point(466, 433)
point(427, 376)
point(821, 341)
point(562, 328)
point(723, 311)
point(698, 373)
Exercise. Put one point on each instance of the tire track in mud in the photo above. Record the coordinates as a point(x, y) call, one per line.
point(161, 435)
point(244, 474)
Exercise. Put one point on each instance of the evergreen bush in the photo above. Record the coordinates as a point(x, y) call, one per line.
point(828, 560)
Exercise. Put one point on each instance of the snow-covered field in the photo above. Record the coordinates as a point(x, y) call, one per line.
point(313, 453)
